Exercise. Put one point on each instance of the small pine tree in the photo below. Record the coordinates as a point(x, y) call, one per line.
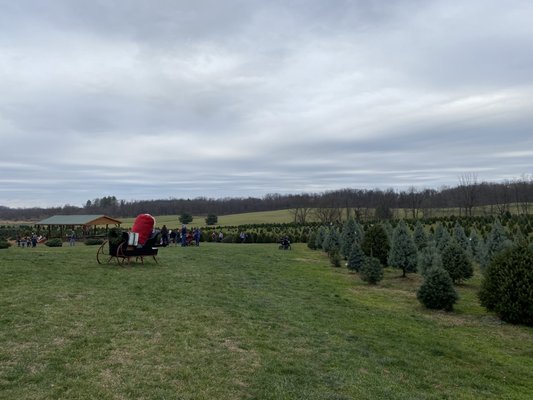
point(311, 241)
point(507, 288)
point(320, 235)
point(356, 258)
point(438, 231)
point(519, 238)
point(428, 258)
point(371, 271)
point(185, 218)
point(54, 243)
point(376, 243)
point(474, 240)
point(347, 237)
point(211, 219)
point(437, 292)
point(351, 232)
point(403, 252)
point(442, 237)
point(419, 236)
point(335, 258)
point(359, 233)
point(460, 237)
point(389, 230)
point(456, 262)
point(476, 247)
point(332, 241)
point(496, 242)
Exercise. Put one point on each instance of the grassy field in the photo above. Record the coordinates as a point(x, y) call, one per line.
point(227, 321)
point(285, 216)
point(265, 217)
point(277, 216)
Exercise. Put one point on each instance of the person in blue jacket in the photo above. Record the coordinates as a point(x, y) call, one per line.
point(197, 233)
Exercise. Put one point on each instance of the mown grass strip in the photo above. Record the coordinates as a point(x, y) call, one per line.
point(242, 322)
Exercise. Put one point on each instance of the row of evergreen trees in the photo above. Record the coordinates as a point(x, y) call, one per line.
point(443, 256)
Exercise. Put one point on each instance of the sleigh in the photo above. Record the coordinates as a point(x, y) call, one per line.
point(122, 247)
point(125, 251)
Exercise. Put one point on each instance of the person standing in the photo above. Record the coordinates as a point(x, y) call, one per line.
point(164, 235)
point(72, 241)
point(183, 235)
point(197, 234)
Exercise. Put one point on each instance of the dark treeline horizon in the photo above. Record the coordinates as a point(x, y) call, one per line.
point(467, 195)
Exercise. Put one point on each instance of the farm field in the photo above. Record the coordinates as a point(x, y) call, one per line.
point(278, 216)
point(228, 321)
point(265, 217)
point(282, 216)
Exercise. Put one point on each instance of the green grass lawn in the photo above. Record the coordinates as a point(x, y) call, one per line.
point(227, 321)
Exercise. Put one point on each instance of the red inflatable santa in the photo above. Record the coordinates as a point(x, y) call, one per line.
point(144, 226)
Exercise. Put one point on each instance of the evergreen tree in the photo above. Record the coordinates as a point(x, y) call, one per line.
point(320, 236)
point(442, 237)
point(438, 231)
point(403, 252)
point(460, 237)
point(211, 219)
point(185, 218)
point(456, 262)
point(476, 247)
point(437, 292)
point(419, 236)
point(428, 258)
point(334, 258)
point(356, 258)
point(332, 241)
point(519, 237)
point(371, 271)
point(496, 242)
point(388, 229)
point(311, 241)
point(348, 236)
point(507, 287)
point(376, 243)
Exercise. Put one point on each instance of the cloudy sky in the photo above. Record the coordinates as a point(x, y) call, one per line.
point(145, 99)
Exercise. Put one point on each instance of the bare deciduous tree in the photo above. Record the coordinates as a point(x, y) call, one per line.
point(300, 214)
point(328, 215)
point(468, 191)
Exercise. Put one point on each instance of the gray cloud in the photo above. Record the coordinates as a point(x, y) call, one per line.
point(165, 99)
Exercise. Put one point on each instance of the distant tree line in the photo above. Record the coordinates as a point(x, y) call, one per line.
point(495, 198)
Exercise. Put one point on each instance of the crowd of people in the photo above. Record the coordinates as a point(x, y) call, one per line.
point(29, 241)
point(181, 236)
point(191, 237)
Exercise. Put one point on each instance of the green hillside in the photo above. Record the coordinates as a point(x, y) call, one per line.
point(265, 217)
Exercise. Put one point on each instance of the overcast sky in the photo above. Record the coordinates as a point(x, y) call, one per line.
point(146, 99)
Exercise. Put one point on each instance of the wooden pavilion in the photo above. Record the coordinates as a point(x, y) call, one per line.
point(86, 222)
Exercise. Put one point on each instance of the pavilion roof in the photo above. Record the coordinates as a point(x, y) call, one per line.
point(79, 220)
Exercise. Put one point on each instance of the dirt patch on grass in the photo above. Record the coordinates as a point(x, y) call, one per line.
point(309, 260)
point(451, 319)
